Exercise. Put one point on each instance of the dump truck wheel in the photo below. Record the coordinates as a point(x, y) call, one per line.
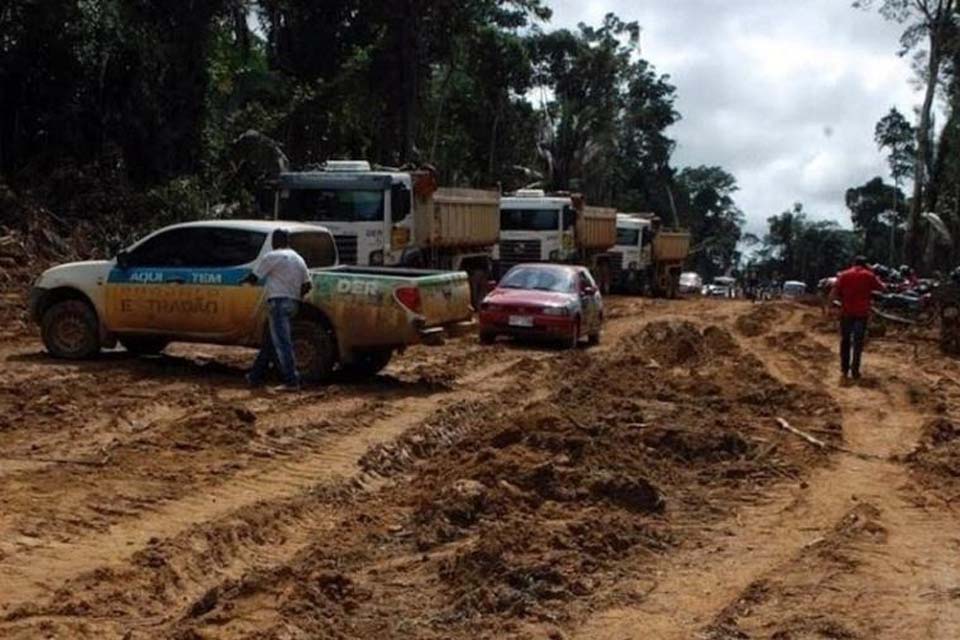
point(144, 346)
point(368, 363)
point(314, 349)
point(70, 330)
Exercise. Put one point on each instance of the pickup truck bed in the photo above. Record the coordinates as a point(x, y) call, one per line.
point(386, 307)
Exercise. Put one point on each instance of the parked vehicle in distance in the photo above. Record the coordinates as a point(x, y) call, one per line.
point(793, 289)
point(388, 217)
point(721, 287)
point(690, 282)
point(546, 301)
point(559, 228)
point(647, 258)
point(185, 283)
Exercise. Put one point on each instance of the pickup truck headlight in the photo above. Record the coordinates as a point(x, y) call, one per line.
point(556, 311)
point(554, 256)
point(376, 258)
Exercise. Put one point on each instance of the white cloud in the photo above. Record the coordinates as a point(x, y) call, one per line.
point(784, 95)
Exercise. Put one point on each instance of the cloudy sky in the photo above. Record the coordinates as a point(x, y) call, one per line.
point(784, 94)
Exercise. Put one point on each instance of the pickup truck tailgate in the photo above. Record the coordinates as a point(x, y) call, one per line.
point(445, 297)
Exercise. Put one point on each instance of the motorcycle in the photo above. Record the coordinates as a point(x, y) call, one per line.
point(917, 306)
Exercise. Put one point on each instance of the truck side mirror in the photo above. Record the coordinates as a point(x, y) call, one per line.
point(399, 201)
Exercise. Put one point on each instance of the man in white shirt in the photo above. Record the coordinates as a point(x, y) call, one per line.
point(287, 281)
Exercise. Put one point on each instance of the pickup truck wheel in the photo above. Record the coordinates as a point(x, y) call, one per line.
point(70, 330)
point(368, 363)
point(144, 346)
point(314, 349)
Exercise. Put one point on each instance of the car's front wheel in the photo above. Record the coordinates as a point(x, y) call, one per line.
point(70, 330)
point(314, 349)
point(573, 341)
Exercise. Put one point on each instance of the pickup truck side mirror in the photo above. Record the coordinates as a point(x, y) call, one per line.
point(123, 259)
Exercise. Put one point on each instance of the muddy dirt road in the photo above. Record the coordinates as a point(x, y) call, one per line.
point(639, 489)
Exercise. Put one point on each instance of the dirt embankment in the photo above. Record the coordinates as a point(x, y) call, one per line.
point(530, 511)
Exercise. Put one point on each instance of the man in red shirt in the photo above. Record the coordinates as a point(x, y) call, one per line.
point(854, 289)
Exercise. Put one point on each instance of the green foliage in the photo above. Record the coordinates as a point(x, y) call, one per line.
point(796, 248)
point(874, 206)
point(707, 208)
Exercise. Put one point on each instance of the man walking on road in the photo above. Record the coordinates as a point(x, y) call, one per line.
point(854, 289)
point(287, 281)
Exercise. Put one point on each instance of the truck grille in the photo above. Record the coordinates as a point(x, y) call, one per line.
point(516, 251)
point(347, 249)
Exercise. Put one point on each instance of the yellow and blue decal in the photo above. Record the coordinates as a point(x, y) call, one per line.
point(183, 300)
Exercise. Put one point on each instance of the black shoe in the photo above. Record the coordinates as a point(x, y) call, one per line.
point(252, 382)
point(856, 375)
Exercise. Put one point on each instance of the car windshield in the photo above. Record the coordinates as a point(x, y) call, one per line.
point(540, 279)
point(628, 237)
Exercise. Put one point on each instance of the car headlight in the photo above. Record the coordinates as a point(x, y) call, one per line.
point(556, 311)
point(376, 258)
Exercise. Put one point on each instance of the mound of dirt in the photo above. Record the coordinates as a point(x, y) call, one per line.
point(938, 453)
point(758, 321)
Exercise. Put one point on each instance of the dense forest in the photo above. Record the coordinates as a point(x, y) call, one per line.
point(137, 109)
point(133, 113)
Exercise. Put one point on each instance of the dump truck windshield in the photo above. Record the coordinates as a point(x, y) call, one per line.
point(332, 205)
point(628, 237)
point(529, 219)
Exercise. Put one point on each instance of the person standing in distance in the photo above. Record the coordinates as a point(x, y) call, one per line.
point(854, 289)
point(287, 281)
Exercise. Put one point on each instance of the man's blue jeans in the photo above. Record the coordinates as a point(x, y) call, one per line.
point(279, 347)
point(853, 331)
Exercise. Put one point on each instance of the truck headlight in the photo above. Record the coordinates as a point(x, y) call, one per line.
point(376, 258)
point(554, 256)
point(556, 311)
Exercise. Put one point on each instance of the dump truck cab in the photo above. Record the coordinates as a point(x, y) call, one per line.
point(632, 255)
point(540, 227)
point(395, 218)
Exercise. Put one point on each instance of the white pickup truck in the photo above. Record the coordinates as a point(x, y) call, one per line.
point(186, 283)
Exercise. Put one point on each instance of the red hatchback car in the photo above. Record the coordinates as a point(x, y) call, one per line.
point(552, 301)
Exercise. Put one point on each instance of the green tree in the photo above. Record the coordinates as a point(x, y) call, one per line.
point(712, 216)
point(872, 214)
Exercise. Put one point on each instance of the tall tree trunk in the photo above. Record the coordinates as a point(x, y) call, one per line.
point(938, 26)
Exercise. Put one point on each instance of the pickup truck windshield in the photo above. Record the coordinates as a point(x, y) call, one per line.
point(628, 237)
point(332, 205)
point(540, 279)
point(529, 219)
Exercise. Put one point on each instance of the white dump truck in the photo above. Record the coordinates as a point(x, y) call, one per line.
point(540, 227)
point(395, 218)
point(647, 258)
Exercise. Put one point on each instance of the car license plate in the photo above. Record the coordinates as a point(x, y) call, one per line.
point(521, 321)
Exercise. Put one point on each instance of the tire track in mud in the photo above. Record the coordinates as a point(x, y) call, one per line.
point(279, 491)
point(706, 592)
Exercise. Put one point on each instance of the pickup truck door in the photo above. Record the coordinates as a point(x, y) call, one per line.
point(187, 281)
